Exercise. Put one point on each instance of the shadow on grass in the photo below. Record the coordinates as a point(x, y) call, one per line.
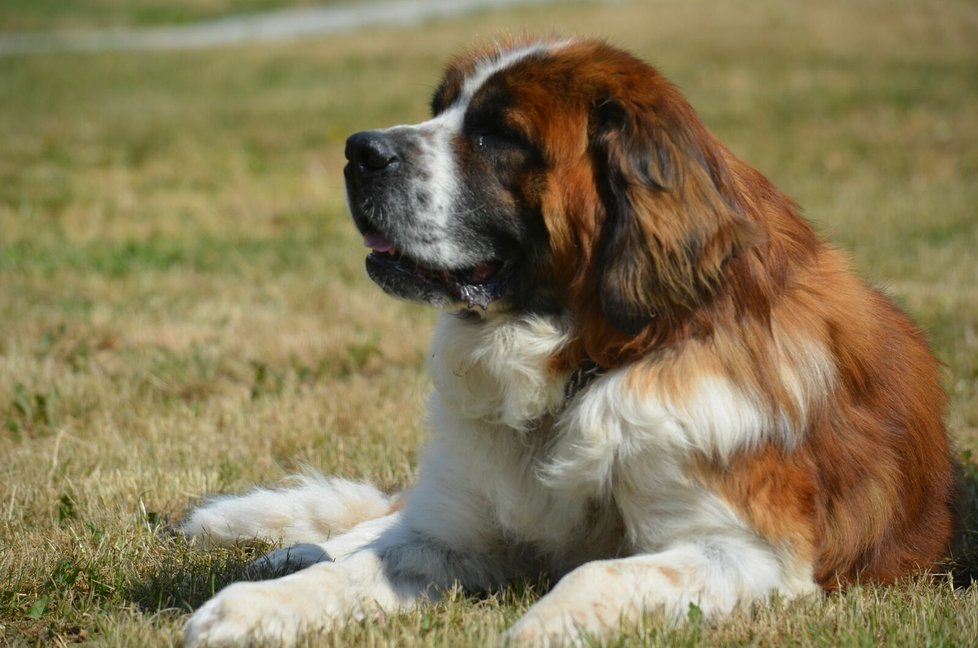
point(184, 578)
point(964, 554)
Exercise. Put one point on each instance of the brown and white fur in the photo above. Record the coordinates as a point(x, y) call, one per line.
point(758, 420)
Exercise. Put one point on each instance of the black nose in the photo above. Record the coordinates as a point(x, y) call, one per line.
point(371, 152)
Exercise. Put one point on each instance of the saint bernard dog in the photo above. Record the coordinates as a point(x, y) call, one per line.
point(654, 385)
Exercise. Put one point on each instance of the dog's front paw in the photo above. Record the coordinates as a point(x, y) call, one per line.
point(245, 613)
point(543, 630)
point(584, 608)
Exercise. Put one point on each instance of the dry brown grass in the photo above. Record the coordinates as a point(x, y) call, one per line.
point(183, 308)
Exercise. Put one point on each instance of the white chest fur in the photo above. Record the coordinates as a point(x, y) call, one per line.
point(507, 447)
point(493, 417)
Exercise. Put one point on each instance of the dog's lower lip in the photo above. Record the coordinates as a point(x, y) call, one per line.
point(481, 273)
point(479, 285)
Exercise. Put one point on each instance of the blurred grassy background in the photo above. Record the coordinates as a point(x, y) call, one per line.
point(35, 15)
point(183, 308)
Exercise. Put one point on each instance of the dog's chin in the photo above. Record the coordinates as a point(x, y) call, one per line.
point(475, 287)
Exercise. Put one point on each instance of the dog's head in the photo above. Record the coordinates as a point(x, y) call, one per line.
point(553, 176)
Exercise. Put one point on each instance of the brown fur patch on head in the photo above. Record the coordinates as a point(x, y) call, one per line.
point(643, 212)
point(464, 65)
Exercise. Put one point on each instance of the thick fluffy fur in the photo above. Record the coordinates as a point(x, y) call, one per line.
point(762, 422)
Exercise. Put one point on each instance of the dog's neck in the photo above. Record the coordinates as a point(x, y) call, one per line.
point(500, 368)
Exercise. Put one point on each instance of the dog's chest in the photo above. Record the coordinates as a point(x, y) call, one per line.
point(576, 523)
point(497, 475)
point(496, 417)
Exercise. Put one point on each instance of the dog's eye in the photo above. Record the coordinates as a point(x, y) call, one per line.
point(487, 141)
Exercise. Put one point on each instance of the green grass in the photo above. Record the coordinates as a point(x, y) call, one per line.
point(183, 308)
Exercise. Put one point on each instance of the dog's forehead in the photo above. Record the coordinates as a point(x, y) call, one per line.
point(468, 73)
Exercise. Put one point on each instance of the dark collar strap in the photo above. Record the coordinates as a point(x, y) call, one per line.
point(583, 376)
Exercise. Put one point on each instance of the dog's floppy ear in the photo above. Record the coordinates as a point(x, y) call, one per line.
point(672, 218)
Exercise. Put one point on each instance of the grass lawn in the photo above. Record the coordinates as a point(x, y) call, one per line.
point(183, 308)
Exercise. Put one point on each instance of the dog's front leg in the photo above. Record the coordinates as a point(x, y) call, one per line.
point(598, 600)
point(352, 585)
point(279, 611)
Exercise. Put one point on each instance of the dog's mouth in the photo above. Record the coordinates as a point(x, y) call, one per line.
point(399, 274)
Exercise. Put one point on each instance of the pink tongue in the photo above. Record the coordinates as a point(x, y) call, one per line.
point(376, 242)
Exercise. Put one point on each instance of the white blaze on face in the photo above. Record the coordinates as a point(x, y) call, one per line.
point(435, 194)
point(432, 191)
point(438, 159)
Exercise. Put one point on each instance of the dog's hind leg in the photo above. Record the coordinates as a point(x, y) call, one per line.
point(315, 509)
